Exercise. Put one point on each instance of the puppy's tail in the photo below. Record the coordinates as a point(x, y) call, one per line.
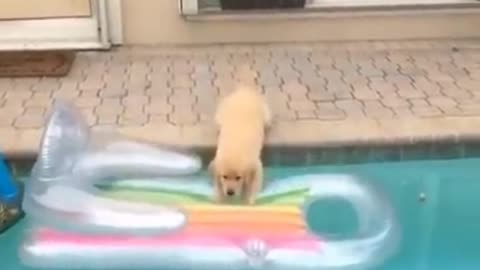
point(247, 88)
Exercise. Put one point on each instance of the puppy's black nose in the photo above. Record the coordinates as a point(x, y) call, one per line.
point(230, 193)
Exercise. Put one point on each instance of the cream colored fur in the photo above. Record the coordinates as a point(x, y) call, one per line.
point(237, 170)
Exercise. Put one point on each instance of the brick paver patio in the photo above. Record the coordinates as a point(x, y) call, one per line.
point(320, 93)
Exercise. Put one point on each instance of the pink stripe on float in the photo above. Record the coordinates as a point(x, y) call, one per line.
point(183, 238)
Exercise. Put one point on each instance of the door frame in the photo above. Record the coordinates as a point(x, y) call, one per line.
point(100, 31)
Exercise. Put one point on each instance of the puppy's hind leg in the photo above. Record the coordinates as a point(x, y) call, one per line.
point(267, 116)
point(218, 197)
point(254, 184)
point(217, 186)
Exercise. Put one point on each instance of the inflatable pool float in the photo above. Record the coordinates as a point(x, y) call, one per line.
point(94, 207)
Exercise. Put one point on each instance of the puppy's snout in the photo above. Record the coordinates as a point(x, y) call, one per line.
point(230, 192)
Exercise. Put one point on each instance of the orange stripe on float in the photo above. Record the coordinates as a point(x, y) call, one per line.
point(242, 209)
point(255, 230)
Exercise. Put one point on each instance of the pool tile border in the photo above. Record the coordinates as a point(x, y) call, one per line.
point(340, 155)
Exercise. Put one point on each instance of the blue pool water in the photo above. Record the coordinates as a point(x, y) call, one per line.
point(441, 232)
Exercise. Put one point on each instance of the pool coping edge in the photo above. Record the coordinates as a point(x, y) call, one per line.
point(300, 133)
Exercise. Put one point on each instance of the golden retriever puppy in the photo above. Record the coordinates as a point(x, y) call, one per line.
point(237, 171)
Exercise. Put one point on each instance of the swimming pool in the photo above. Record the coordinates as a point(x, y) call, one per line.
point(437, 203)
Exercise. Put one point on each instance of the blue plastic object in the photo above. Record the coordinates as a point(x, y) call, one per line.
point(8, 189)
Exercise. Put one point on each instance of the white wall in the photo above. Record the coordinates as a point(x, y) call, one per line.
point(154, 22)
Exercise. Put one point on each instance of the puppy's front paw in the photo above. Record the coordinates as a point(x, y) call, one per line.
point(218, 198)
point(250, 200)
